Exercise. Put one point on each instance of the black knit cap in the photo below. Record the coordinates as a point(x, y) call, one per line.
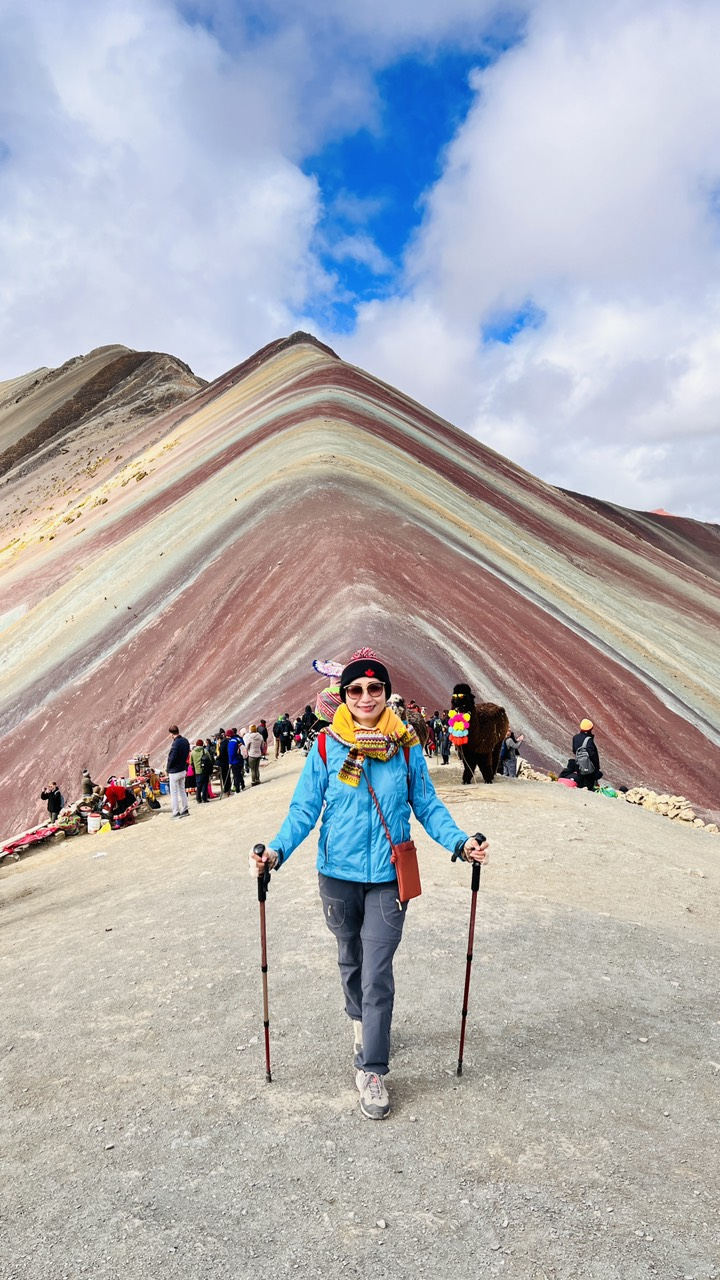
point(365, 666)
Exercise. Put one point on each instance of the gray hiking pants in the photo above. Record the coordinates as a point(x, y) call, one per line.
point(367, 921)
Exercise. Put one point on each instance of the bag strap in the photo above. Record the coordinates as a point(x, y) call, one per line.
point(380, 814)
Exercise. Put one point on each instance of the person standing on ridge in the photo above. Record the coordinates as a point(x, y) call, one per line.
point(509, 754)
point(235, 760)
point(176, 768)
point(203, 763)
point(54, 800)
point(223, 763)
point(366, 746)
point(254, 745)
point(587, 759)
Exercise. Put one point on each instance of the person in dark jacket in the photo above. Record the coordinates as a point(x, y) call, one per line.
point(586, 740)
point(236, 760)
point(176, 770)
point(366, 746)
point(54, 799)
point(224, 762)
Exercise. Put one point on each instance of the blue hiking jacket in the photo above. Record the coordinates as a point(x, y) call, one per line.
point(352, 843)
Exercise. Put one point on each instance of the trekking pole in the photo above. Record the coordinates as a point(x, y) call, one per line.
point(263, 884)
point(474, 886)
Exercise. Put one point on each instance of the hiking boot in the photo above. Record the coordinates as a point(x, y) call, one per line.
point(357, 1037)
point(374, 1101)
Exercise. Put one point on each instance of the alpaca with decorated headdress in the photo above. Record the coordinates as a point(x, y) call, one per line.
point(478, 730)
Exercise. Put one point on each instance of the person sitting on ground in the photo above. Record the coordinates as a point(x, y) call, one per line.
point(568, 776)
point(366, 746)
point(55, 802)
point(118, 798)
point(587, 759)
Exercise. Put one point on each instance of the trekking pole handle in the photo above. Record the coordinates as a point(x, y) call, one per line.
point(475, 882)
point(263, 881)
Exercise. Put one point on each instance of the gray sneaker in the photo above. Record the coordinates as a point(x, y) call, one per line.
point(374, 1101)
point(357, 1037)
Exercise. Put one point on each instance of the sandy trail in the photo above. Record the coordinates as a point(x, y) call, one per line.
point(139, 1138)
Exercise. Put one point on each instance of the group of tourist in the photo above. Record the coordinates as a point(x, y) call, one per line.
point(230, 756)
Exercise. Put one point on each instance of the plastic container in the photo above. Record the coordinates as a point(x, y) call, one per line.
point(94, 823)
point(164, 788)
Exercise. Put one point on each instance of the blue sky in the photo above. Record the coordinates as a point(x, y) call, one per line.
point(506, 210)
point(373, 181)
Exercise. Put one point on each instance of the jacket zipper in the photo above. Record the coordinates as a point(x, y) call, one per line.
point(368, 877)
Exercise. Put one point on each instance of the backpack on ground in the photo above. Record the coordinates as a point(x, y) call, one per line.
point(582, 758)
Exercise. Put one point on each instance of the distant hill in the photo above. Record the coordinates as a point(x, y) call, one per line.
point(176, 551)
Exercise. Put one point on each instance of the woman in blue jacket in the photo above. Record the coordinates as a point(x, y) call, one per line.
point(366, 744)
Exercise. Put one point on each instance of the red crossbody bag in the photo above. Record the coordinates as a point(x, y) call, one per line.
point(403, 856)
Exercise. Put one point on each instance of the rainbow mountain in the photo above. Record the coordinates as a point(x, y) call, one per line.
point(174, 551)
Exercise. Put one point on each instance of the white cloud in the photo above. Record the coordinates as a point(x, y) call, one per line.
point(582, 180)
point(151, 193)
point(148, 195)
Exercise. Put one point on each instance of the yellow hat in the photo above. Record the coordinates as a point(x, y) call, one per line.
point(586, 724)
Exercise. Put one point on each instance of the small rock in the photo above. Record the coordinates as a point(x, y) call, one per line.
point(643, 1039)
point(109, 1146)
point(381, 1223)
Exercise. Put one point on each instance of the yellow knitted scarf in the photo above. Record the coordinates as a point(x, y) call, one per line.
point(382, 742)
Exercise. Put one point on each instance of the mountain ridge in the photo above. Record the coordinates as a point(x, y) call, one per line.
point(297, 507)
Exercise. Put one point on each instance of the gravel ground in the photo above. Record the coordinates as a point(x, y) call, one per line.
point(139, 1137)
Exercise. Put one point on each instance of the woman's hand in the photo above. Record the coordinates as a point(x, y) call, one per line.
point(257, 865)
point(476, 851)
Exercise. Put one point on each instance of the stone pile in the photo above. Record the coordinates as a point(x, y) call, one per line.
point(525, 770)
point(675, 807)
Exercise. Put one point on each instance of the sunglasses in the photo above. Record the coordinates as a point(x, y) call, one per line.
point(375, 688)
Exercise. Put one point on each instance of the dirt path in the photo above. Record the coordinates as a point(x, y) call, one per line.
point(139, 1138)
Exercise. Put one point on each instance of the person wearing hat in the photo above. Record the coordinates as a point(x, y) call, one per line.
point(365, 746)
point(203, 763)
point(584, 741)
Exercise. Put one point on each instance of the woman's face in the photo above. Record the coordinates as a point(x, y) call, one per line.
point(366, 701)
